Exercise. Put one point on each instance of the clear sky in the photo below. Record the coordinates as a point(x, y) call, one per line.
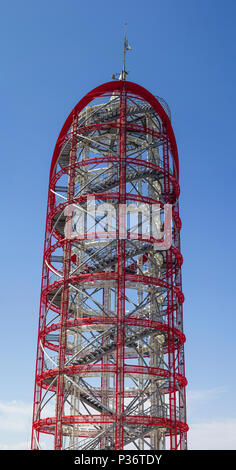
point(52, 53)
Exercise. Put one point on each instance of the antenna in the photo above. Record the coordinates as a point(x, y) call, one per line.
point(124, 73)
point(127, 47)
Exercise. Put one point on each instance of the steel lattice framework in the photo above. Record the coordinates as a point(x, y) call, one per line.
point(110, 368)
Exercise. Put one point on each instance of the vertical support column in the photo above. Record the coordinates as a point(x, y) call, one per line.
point(39, 367)
point(105, 377)
point(170, 308)
point(40, 353)
point(179, 320)
point(65, 298)
point(119, 432)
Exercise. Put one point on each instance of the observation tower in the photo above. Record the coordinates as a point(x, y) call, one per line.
point(110, 370)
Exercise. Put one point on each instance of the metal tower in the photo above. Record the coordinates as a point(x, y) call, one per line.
point(110, 355)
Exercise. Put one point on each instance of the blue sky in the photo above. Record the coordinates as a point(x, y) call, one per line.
point(52, 53)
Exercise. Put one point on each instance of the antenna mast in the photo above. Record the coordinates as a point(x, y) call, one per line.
point(126, 48)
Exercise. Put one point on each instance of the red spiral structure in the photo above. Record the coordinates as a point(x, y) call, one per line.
point(110, 368)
